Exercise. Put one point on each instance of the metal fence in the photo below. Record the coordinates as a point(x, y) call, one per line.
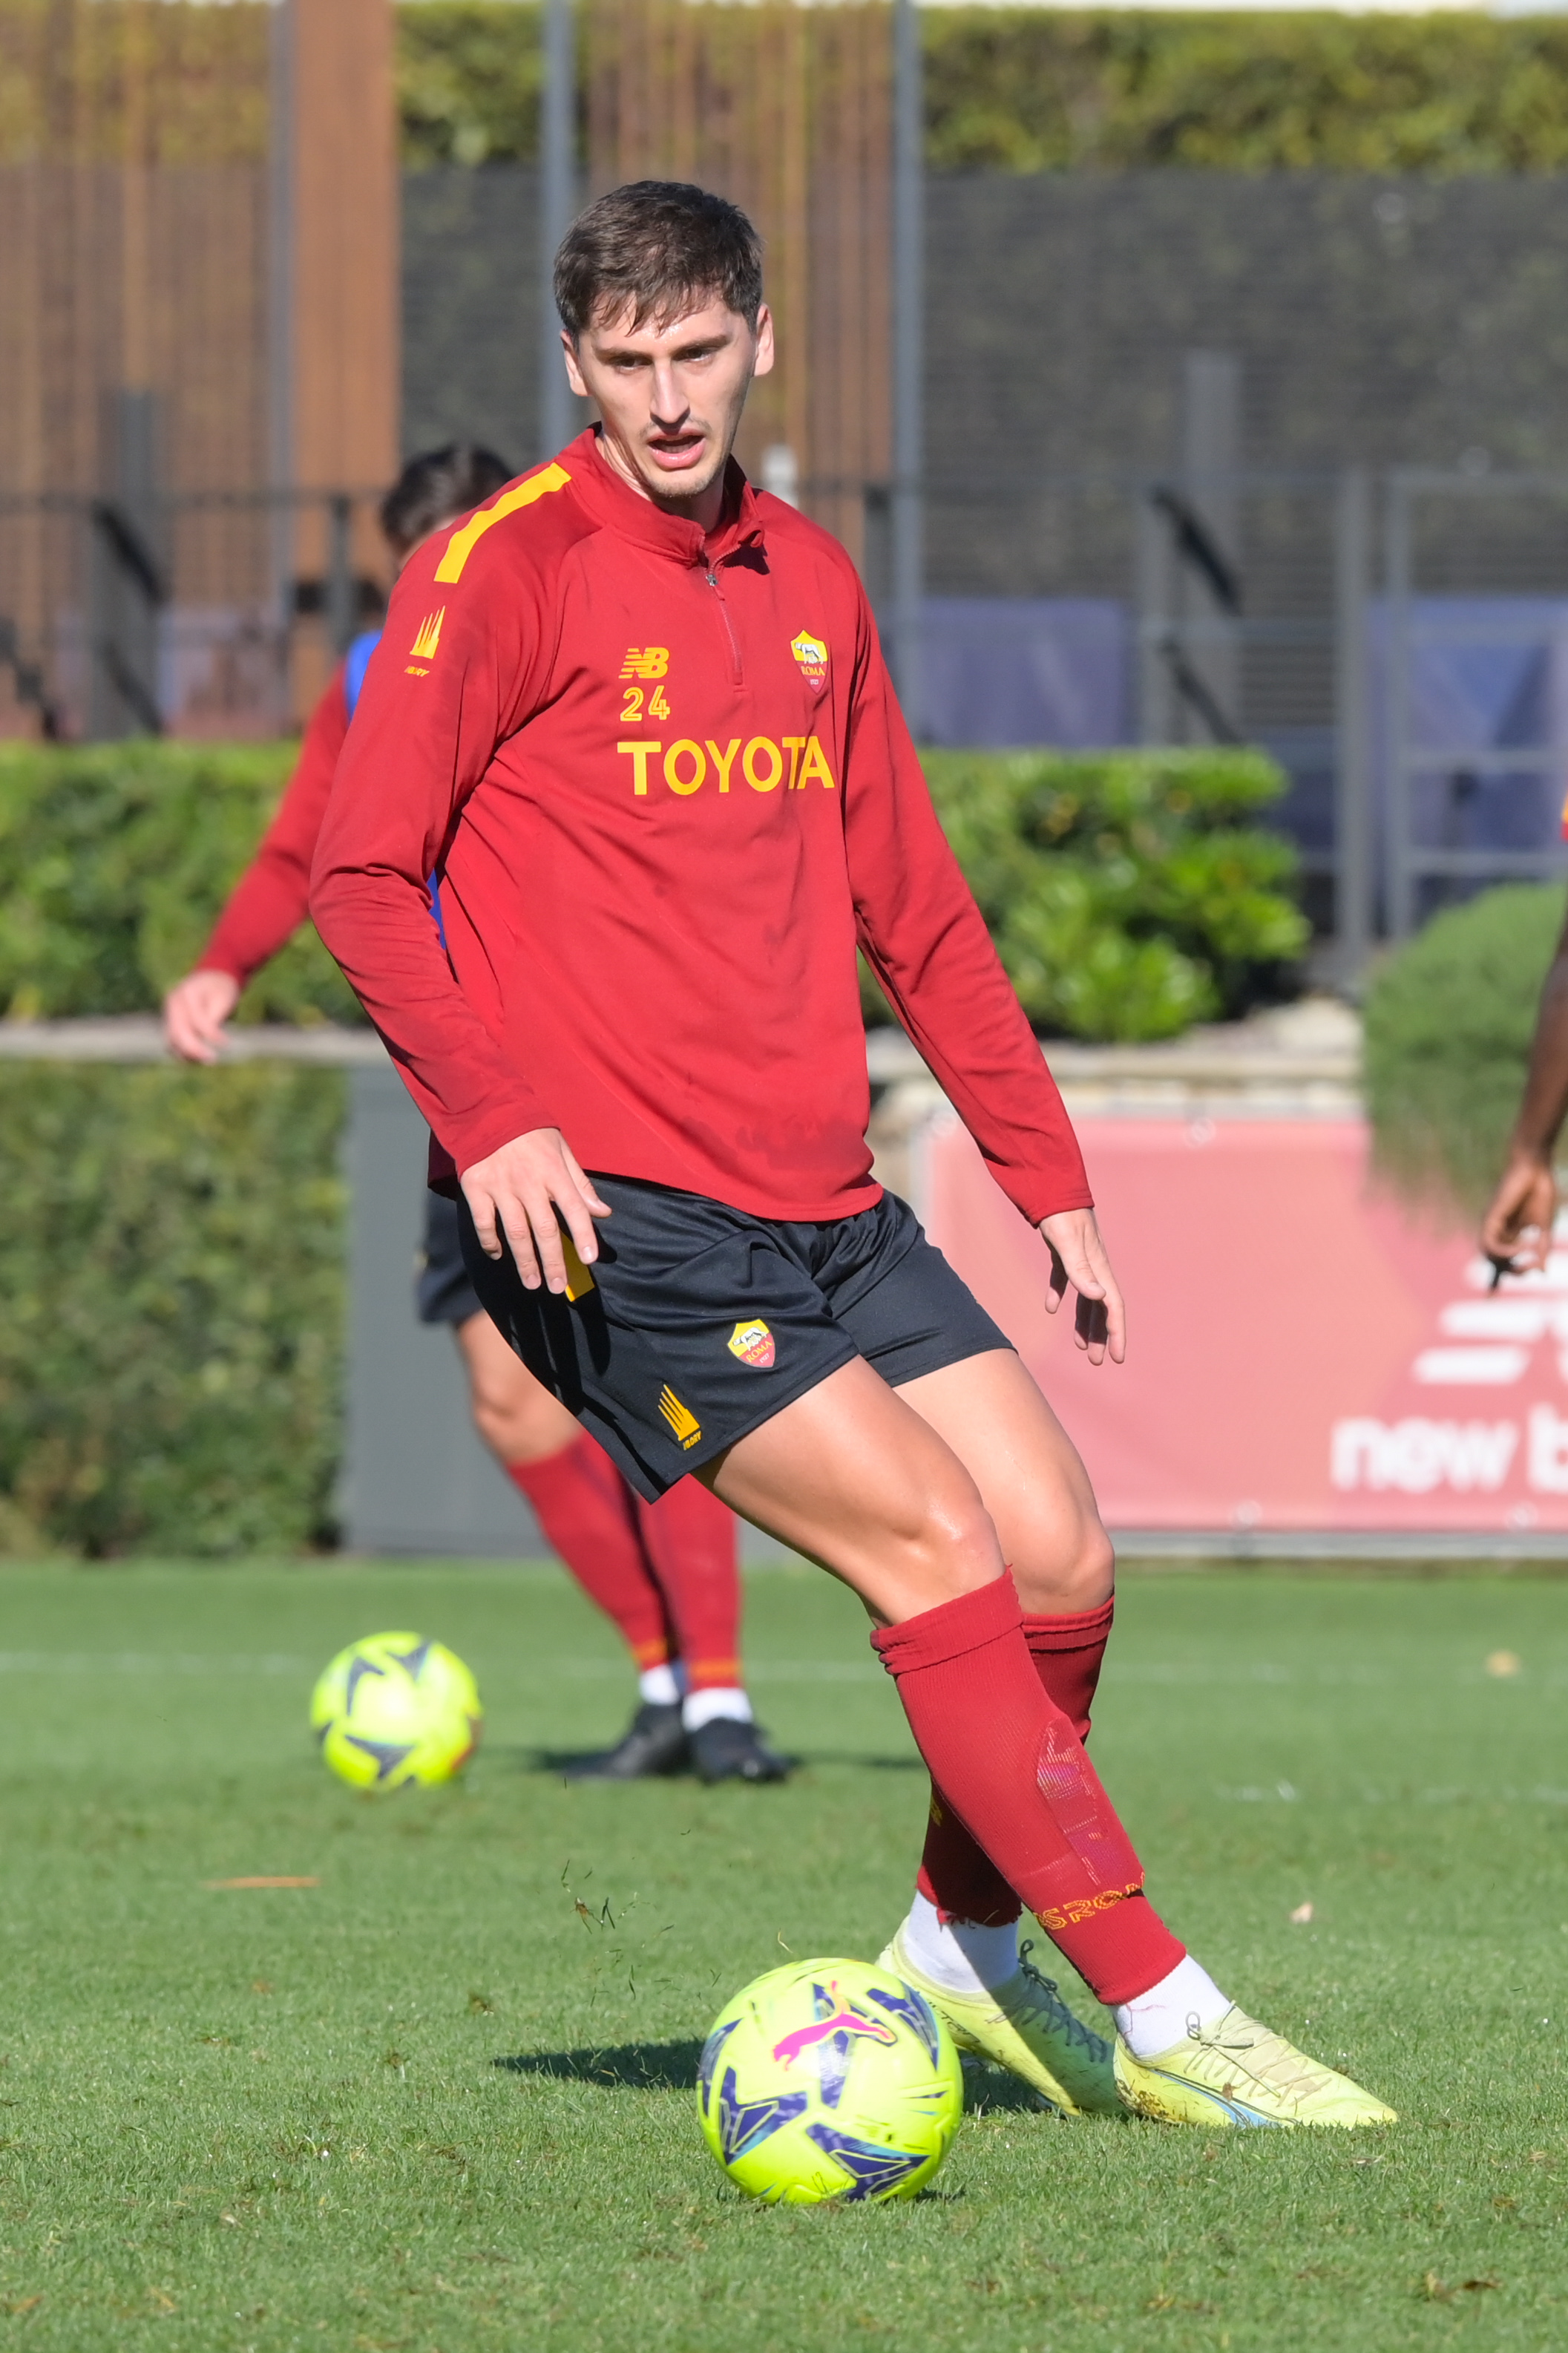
point(205, 613)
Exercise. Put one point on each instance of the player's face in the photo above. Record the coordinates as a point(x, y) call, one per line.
point(670, 394)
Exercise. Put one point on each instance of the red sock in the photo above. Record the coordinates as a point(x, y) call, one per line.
point(690, 1541)
point(955, 1874)
point(1015, 1774)
point(584, 1507)
point(1068, 1648)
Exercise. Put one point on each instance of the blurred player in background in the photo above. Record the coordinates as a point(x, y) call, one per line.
point(1516, 1232)
point(665, 1572)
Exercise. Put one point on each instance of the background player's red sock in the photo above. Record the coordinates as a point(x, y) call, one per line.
point(1016, 1773)
point(956, 1874)
point(692, 1544)
point(584, 1507)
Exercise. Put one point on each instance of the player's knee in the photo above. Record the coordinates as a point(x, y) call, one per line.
point(1073, 1567)
point(951, 1543)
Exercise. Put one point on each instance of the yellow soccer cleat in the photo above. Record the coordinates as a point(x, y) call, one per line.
point(1236, 2073)
point(1026, 2027)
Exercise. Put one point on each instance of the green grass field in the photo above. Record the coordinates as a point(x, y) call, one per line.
point(442, 2099)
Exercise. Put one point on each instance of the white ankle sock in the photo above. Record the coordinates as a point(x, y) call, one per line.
point(701, 1708)
point(963, 1955)
point(659, 1686)
point(1183, 2003)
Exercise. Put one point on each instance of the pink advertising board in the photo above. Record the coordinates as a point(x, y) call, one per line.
point(1303, 1356)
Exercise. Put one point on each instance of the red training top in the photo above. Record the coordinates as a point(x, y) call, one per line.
point(271, 899)
point(666, 790)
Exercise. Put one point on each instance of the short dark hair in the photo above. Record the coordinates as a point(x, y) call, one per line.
point(656, 244)
point(437, 485)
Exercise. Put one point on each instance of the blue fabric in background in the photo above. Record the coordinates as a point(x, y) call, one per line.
point(1481, 674)
point(1015, 671)
point(1018, 670)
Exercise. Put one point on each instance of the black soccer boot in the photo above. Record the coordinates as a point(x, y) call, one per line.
point(724, 1749)
point(653, 1742)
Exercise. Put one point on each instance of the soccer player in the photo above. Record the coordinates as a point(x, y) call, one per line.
point(1516, 1232)
point(665, 1571)
point(634, 720)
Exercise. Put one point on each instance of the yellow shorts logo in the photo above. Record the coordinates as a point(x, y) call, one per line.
point(752, 1342)
point(680, 1417)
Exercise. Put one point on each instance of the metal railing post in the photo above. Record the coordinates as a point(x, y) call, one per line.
point(1354, 884)
point(909, 357)
point(1399, 888)
point(557, 203)
point(340, 609)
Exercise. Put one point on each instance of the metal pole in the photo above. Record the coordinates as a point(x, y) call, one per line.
point(1400, 852)
point(557, 204)
point(909, 356)
point(340, 598)
point(281, 274)
point(1354, 884)
point(1155, 622)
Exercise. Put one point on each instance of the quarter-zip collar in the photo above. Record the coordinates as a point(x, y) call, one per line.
point(613, 502)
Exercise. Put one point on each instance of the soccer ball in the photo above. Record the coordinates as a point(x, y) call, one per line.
point(829, 2079)
point(394, 1709)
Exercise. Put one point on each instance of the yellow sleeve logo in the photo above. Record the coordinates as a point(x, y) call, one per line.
point(429, 638)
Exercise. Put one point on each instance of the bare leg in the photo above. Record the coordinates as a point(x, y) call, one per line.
point(518, 1419)
point(1030, 1476)
point(853, 1477)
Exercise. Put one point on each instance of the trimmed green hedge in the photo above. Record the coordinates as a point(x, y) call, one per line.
point(1128, 892)
point(114, 860)
point(1449, 1023)
point(171, 1264)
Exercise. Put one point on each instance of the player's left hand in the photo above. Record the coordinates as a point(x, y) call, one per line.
point(1078, 1262)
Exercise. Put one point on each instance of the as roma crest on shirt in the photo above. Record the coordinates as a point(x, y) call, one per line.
point(812, 655)
point(753, 1344)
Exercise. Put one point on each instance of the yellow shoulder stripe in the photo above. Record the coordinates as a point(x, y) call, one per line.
point(462, 544)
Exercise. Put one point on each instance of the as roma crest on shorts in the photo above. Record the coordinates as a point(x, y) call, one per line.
point(753, 1344)
point(812, 655)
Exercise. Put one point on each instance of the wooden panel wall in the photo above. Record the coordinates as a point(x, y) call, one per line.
point(132, 226)
point(344, 403)
point(137, 220)
point(785, 110)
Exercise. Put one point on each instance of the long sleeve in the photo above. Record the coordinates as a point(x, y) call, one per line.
point(425, 733)
point(271, 899)
point(926, 942)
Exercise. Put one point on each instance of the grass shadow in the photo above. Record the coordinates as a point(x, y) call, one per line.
point(628, 2067)
point(517, 1758)
point(991, 2092)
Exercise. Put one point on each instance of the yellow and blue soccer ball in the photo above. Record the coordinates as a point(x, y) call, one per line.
point(395, 1709)
point(829, 2079)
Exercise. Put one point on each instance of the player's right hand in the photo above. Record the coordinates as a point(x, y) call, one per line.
point(194, 1011)
point(524, 1195)
point(1516, 1232)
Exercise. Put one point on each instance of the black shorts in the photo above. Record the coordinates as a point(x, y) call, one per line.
point(700, 1321)
point(442, 1291)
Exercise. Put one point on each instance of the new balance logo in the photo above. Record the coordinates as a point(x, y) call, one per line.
point(646, 661)
point(680, 1417)
point(429, 638)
